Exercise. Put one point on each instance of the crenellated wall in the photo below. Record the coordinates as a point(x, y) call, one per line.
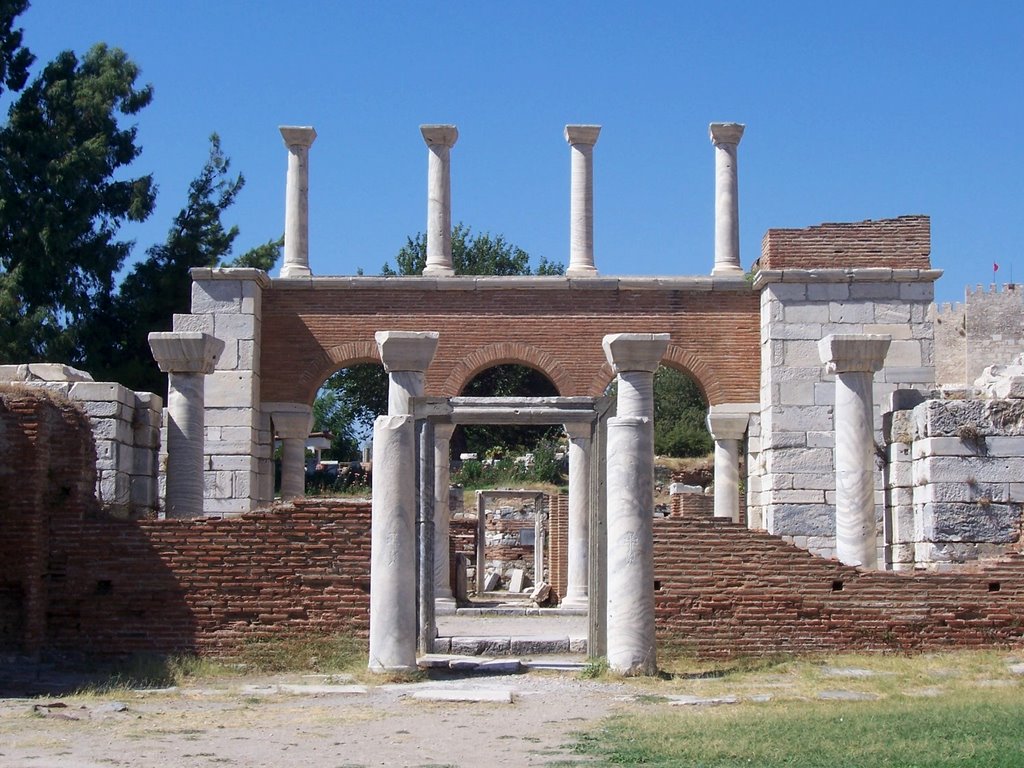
point(986, 328)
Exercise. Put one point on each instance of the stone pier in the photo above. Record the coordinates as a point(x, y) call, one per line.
point(854, 359)
point(630, 482)
point(582, 139)
point(440, 139)
point(298, 140)
point(186, 358)
point(726, 138)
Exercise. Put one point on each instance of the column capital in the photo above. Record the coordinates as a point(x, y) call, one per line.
point(847, 352)
point(443, 431)
point(726, 133)
point(406, 350)
point(582, 134)
point(727, 426)
point(185, 351)
point(440, 135)
point(298, 135)
point(579, 430)
point(635, 351)
point(291, 420)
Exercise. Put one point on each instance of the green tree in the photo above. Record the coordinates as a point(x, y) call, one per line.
point(64, 195)
point(15, 58)
point(472, 255)
point(259, 257)
point(159, 286)
point(679, 412)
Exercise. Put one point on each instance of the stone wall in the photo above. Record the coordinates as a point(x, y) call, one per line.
point(986, 329)
point(510, 521)
point(125, 427)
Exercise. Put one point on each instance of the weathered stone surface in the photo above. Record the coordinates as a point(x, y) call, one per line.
point(997, 523)
point(803, 520)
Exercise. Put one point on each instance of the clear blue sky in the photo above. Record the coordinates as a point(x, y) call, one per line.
point(853, 111)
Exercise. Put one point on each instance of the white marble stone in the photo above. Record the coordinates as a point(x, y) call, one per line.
point(442, 483)
point(726, 138)
point(580, 441)
point(406, 355)
point(393, 546)
point(582, 139)
point(727, 429)
point(292, 424)
point(298, 140)
point(440, 139)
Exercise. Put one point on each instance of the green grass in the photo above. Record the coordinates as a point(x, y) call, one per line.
point(933, 710)
point(983, 728)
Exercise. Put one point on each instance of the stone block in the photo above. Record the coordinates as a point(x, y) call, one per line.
point(144, 492)
point(917, 292)
point(961, 493)
point(245, 484)
point(193, 323)
point(228, 360)
point(824, 393)
point(796, 393)
point(801, 354)
point(903, 354)
point(892, 313)
point(107, 391)
point(252, 298)
point(787, 292)
point(217, 485)
point(812, 313)
point(845, 313)
point(940, 418)
point(787, 331)
point(874, 291)
point(797, 418)
point(803, 520)
point(232, 417)
point(232, 389)
point(235, 327)
point(216, 296)
point(248, 355)
point(113, 429)
point(231, 463)
point(821, 440)
point(782, 440)
point(799, 460)
point(828, 292)
point(143, 461)
point(113, 488)
point(952, 522)
point(953, 446)
point(907, 375)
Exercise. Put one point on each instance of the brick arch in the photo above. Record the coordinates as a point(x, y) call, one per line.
point(507, 352)
point(675, 357)
point(334, 359)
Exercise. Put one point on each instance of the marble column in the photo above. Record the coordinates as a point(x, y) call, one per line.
point(393, 546)
point(186, 358)
point(727, 430)
point(582, 139)
point(292, 425)
point(393, 633)
point(579, 515)
point(298, 140)
point(440, 139)
point(726, 138)
point(630, 502)
point(854, 359)
point(443, 598)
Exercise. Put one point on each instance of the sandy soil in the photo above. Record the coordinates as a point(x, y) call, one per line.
point(253, 723)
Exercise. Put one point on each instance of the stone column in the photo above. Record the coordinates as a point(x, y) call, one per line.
point(582, 139)
point(854, 358)
point(440, 140)
point(727, 430)
point(630, 501)
point(186, 357)
point(393, 633)
point(443, 598)
point(579, 515)
point(726, 138)
point(292, 425)
point(298, 140)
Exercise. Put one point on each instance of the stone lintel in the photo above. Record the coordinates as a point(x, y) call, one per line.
point(582, 134)
point(579, 430)
point(856, 275)
point(635, 351)
point(845, 352)
point(727, 426)
point(298, 135)
point(726, 133)
point(406, 350)
point(185, 351)
point(231, 273)
point(440, 135)
point(42, 372)
point(291, 420)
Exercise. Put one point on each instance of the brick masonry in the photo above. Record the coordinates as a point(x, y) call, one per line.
point(901, 243)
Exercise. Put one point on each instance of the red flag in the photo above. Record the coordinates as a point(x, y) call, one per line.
point(995, 267)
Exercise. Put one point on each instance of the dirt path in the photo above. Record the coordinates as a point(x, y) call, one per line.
point(321, 722)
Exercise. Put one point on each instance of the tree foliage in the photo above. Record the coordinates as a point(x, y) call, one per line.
point(471, 255)
point(64, 196)
point(679, 413)
point(15, 58)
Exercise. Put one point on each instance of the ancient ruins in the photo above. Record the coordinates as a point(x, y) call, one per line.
point(855, 455)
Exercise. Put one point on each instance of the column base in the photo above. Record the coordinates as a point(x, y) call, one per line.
point(727, 270)
point(295, 270)
point(432, 270)
point(581, 271)
point(575, 602)
point(445, 606)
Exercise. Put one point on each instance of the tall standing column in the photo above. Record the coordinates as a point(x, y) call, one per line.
point(579, 515)
point(630, 491)
point(726, 138)
point(406, 356)
point(854, 358)
point(440, 140)
point(292, 424)
point(582, 139)
point(186, 357)
point(298, 140)
point(727, 429)
point(443, 597)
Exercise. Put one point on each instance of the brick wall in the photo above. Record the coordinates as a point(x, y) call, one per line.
point(312, 330)
point(901, 243)
point(723, 589)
